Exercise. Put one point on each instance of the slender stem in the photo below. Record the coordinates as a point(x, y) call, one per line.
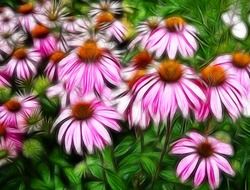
point(163, 152)
point(103, 168)
point(142, 140)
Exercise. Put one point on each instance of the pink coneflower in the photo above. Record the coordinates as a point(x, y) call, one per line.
point(144, 31)
point(223, 89)
point(105, 14)
point(85, 122)
point(90, 67)
point(4, 79)
point(204, 156)
point(23, 63)
point(11, 133)
point(26, 15)
point(17, 108)
point(172, 87)
point(8, 19)
point(7, 151)
point(44, 42)
point(174, 35)
point(51, 69)
point(70, 24)
point(52, 14)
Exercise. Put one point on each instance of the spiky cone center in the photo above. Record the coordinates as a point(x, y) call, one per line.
point(82, 111)
point(153, 24)
point(241, 60)
point(53, 16)
point(40, 31)
point(104, 18)
point(89, 51)
point(20, 53)
point(2, 130)
point(173, 24)
point(205, 149)
point(25, 8)
point(57, 56)
point(13, 105)
point(170, 71)
point(137, 75)
point(142, 59)
point(213, 75)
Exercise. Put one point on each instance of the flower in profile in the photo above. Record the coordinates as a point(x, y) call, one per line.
point(8, 19)
point(223, 90)
point(23, 63)
point(15, 110)
point(170, 88)
point(52, 14)
point(90, 67)
point(174, 35)
point(85, 122)
point(203, 156)
point(106, 15)
point(26, 15)
point(144, 31)
point(44, 41)
point(51, 69)
point(7, 151)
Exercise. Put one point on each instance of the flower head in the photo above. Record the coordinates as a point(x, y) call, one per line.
point(203, 156)
point(85, 122)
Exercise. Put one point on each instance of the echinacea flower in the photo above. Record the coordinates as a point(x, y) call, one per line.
point(52, 14)
point(84, 124)
point(26, 15)
point(223, 89)
point(17, 108)
point(170, 88)
point(8, 19)
point(23, 63)
point(51, 69)
point(174, 35)
point(44, 42)
point(204, 156)
point(7, 151)
point(105, 15)
point(90, 67)
point(144, 31)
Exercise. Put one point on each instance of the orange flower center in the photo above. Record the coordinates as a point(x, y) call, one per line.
point(90, 51)
point(241, 60)
point(136, 77)
point(170, 71)
point(57, 56)
point(213, 75)
point(82, 111)
point(105, 17)
point(13, 105)
point(25, 9)
point(40, 31)
point(174, 23)
point(142, 59)
point(205, 149)
point(20, 53)
point(2, 130)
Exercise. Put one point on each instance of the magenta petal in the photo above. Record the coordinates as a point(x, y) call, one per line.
point(224, 165)
point(213, 173)
point(200, 173)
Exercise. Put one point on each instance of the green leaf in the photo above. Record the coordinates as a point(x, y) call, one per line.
point(71, 175)
point(169, 176)
point(124, 146)
point(94, 166)
point(148, 165)
point(114, 181)
point(96, 185)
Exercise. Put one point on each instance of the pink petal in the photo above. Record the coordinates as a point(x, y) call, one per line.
point(213, 173)
point(200, 173)
point(223, 164)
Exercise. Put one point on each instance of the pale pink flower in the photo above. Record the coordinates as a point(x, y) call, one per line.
point(8, 19)
point(8, 151)
point(23, 63)
point(90, 67)
point(52, 14)
point(85, 124)
point(144, 31)
point(170, 88)
point(204, 156)
point(174, 35)
point(51, 69)
point(44, 41)
point(15, 110)
point(223, 90)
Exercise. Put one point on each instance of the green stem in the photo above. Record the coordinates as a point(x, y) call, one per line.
point(163, 152)
point(142, 140)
